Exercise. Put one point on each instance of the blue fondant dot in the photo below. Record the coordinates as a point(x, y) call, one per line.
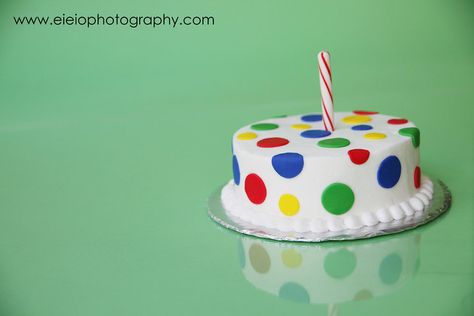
point(389, 172)
point(312, 118)
point(362, 127)
point(315, 133)
point(236, 170)
point(294, 292)
point(288, 165)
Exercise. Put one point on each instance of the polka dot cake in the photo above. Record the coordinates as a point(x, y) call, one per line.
point(293, 175)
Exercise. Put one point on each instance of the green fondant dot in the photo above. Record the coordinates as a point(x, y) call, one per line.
point(337, 198)
point(413, 133)
point(294, 292)
point(280, 116)
point(340, 264)
point(390, 269)
point(264, 126)
point(334, 143)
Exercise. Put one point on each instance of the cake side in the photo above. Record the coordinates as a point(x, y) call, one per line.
point(291, 174)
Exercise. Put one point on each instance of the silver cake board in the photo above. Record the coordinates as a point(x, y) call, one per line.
point(440, 204)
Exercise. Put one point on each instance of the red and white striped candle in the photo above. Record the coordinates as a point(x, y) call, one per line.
point(325, 82)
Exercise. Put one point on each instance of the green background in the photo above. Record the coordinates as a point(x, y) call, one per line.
point(113, 138)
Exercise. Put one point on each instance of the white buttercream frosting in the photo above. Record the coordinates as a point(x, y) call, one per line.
point(234, 204)
point(292, 199)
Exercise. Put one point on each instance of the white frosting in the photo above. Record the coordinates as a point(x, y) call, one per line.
point(237, 206)
point(322, 167)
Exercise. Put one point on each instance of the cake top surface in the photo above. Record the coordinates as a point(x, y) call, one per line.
point(305, 134)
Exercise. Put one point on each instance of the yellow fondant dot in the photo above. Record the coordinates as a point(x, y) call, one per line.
point(291, 258)
point(301, 126)
point(289, 204)
point(356, 119)
point(375, 136)
point(246, 136)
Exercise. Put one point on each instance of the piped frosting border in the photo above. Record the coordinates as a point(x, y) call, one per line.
point(413, 206)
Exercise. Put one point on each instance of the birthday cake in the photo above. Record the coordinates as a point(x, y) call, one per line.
point(330, 274)
point(294, 175)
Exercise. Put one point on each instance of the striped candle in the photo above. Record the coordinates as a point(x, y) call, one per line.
point(325, 82)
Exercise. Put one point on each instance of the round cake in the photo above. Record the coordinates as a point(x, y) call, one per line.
point(291, 174)
point(329, 274)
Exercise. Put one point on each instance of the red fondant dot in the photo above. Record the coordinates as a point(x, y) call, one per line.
point(255, 189)
point(358, 156)
point(417, 177)
point(397, 121)
point(272, 142)
point(364, 112)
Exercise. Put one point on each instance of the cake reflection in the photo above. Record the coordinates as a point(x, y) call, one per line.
point(330, 273)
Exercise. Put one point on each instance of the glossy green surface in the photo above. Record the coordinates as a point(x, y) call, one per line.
point(113, 138)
